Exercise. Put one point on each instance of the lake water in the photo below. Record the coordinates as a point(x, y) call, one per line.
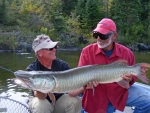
point(19, 61)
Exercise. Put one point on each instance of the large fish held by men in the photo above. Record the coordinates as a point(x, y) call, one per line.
point(65, 81)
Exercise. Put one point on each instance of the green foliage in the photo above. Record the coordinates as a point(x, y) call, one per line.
point(67, 20)
point(80, 8)
point(12, 20)
point(52, 13)
point(3, 11)
point(28, 7)
point(80, 11)
point(73, 24)
point(93, 14)
point(148, 28)
point(131, 19)
point(68, 7)
point(89, 12)
point(8, 41)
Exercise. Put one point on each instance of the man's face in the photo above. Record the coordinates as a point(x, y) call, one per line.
point(48, 54)
point(103, 41)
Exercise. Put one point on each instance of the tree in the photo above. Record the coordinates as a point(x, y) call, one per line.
point(3, 12)
point(93, 13)
point(68, 6)
point(30, 11)
point(127, 15)
point(89, 12)
point(52, 14)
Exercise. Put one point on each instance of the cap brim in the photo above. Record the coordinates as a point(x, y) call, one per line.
point(101, 30)
point(52, 44)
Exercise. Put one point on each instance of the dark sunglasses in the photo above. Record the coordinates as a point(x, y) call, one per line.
point(102, 36)
point(50, 49)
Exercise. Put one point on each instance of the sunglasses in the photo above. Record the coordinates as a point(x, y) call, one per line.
point(50, 49)
point(102, 36)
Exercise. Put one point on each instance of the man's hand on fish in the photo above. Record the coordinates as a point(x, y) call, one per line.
point(127, 77)
point(92, 84)
point(40, 95)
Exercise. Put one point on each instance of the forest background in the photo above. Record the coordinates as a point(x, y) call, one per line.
point(71, 21)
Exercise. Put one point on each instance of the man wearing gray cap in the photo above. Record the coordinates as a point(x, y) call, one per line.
point(45, 50)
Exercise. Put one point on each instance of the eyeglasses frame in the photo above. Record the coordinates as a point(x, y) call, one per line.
point(102, 36)
point(50, 49)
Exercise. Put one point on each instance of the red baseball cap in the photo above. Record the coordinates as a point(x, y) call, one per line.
point(105, 26)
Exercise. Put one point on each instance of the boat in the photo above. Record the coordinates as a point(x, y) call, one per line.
point(129, 109)
point(12, 104)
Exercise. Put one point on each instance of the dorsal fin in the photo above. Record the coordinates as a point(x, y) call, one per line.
point(120, 62)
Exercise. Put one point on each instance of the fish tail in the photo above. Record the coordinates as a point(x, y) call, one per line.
point(143, 68)
point(143, 78)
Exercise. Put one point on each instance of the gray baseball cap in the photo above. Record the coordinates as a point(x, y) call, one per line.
point(42, 42)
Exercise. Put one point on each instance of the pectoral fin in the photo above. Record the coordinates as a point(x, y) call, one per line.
point(123, 83)
point(93, 89)
point(52, 97)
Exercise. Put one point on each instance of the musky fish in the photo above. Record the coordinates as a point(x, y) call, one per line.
point(65, 81)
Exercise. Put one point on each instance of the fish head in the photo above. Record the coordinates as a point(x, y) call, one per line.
point(43, 84)
point(35, 80)
point(24, 79)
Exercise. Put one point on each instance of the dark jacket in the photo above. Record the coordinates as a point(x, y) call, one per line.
point(57, 65)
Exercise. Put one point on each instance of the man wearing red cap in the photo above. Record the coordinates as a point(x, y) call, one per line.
point(109, 97)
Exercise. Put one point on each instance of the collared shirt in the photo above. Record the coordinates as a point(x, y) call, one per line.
point(110, 92)
point(57, 65)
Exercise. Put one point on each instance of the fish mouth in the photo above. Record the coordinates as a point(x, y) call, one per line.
point(23, 83)
point(23, 79)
